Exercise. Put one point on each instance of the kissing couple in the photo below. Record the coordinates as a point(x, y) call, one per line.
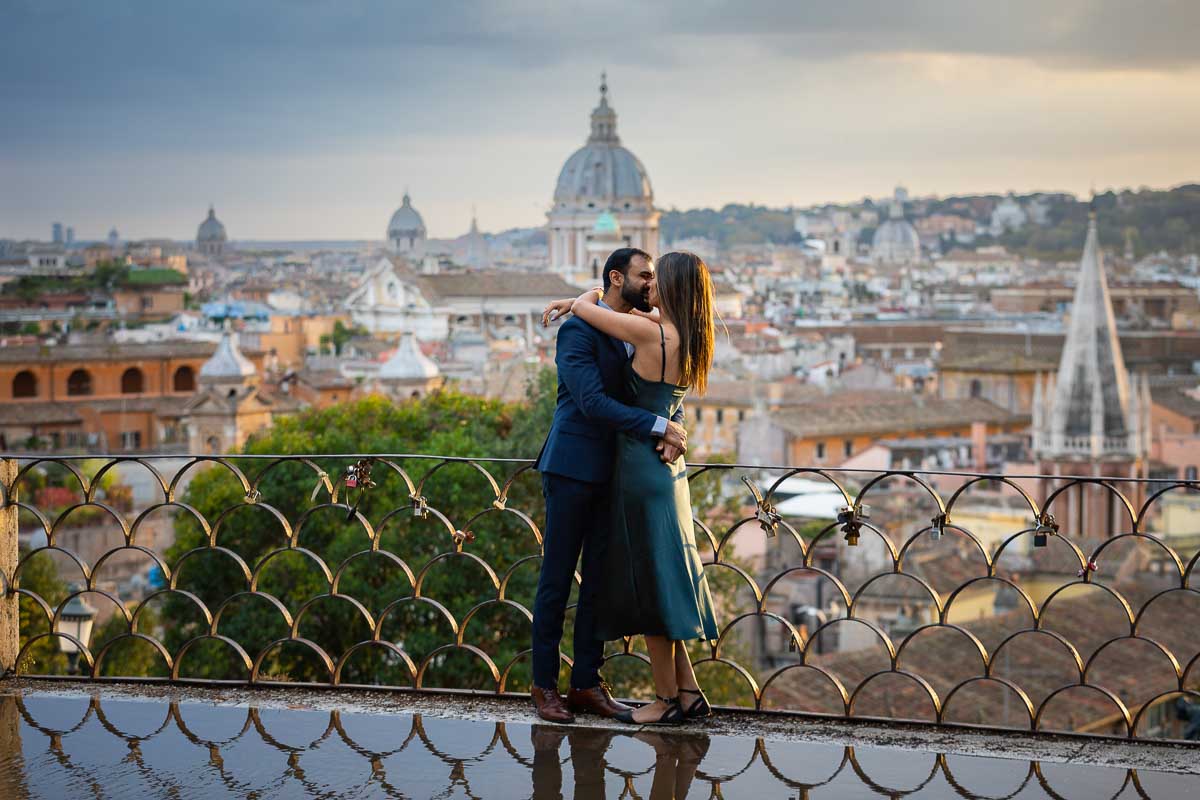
point(616, 487)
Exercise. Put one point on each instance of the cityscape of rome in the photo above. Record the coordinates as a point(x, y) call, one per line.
point(953, 415)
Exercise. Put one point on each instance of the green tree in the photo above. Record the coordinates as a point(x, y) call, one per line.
point(39, 575)
point(447, 423)
point(129, 657)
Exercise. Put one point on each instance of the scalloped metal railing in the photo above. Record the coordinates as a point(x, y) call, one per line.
point(766, 657)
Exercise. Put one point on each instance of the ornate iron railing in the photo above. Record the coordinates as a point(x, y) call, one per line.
point(1068, 608)
point(180, 749)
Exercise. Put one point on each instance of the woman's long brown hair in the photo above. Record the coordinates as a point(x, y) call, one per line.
point(685, 293)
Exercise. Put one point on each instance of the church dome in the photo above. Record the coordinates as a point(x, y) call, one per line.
point(211, 230)
point(602, 173)
point(896, 240)
point(406, 222)
point(408, 363)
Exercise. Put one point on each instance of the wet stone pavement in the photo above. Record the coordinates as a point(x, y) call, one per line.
point(62, 743)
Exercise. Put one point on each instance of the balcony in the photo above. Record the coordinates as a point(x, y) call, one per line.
point(410, 577)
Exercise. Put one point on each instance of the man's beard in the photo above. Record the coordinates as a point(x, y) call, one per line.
point(635, 298)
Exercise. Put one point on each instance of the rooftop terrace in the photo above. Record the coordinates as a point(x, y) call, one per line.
point(112, 740)
point(1062, 631)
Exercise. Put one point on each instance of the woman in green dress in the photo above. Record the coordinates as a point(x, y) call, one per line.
point(654, 582)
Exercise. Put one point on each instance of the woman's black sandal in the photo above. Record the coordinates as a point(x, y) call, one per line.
point(697, 708)
point(672, 716)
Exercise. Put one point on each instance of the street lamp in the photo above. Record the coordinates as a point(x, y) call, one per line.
point(76, 620)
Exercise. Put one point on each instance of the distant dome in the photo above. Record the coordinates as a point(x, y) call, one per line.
point(896, 240)
point(406, 231)
point(406, 221)
point(602, 173)
point(227, 363)
point(211, 230)
point(408, 363)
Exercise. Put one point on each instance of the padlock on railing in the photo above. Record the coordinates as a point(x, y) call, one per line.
point(764, 512)
point(1045, 526)
point(851, 519)
point(938, 525)
point(358, 476)
point(420, 506)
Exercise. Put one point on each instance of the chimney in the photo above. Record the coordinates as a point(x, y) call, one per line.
point(979, 446)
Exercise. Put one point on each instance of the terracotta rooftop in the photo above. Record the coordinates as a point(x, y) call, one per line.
point(498, 284)
point(1183, 400)
point(998, 362)
point(107, 351)
point(873, 411)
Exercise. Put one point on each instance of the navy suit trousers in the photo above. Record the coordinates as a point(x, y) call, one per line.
point(576, 513)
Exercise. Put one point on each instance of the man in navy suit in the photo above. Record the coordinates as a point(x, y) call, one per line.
point(576, 463)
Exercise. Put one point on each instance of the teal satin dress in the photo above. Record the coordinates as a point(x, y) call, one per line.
point(652, 580)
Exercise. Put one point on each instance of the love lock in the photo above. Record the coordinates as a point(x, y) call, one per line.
point(461, 536)
point(253, 496)
point(938, 528)
point(768, 519)
point(358, 476)
point(1089, 567)
point(851, 518)
point(1046, 527)
point(420, 506)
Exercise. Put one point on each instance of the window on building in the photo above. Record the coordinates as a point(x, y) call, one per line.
point(847, 448)
point(131, 440)
point(699, 414)
point(184, 380)
point(820, 451)
point(720, 415)
point(25, 384)
point(79, 382)
point(133, 381)
point(1189, 473)
point(741, 414)
point(976, 388)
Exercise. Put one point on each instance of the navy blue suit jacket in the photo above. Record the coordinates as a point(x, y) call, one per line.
point(581, 441)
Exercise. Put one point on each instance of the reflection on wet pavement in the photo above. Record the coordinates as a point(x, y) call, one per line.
point(76, 746)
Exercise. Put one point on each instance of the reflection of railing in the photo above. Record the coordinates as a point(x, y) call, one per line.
point(195, 750)
point(1120, 651)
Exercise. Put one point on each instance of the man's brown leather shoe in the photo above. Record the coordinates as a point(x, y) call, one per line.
point(596, 700)
point(549, 705)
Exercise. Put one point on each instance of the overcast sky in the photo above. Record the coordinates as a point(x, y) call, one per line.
point(306, 120)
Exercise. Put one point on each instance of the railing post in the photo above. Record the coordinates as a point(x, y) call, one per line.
point(10, 631)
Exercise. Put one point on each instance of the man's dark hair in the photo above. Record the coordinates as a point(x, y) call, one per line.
point(620, 260)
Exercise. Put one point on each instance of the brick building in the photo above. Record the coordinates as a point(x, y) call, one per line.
point(97, 396)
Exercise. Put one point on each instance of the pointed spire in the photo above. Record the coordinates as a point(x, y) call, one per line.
point(1091, 400)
